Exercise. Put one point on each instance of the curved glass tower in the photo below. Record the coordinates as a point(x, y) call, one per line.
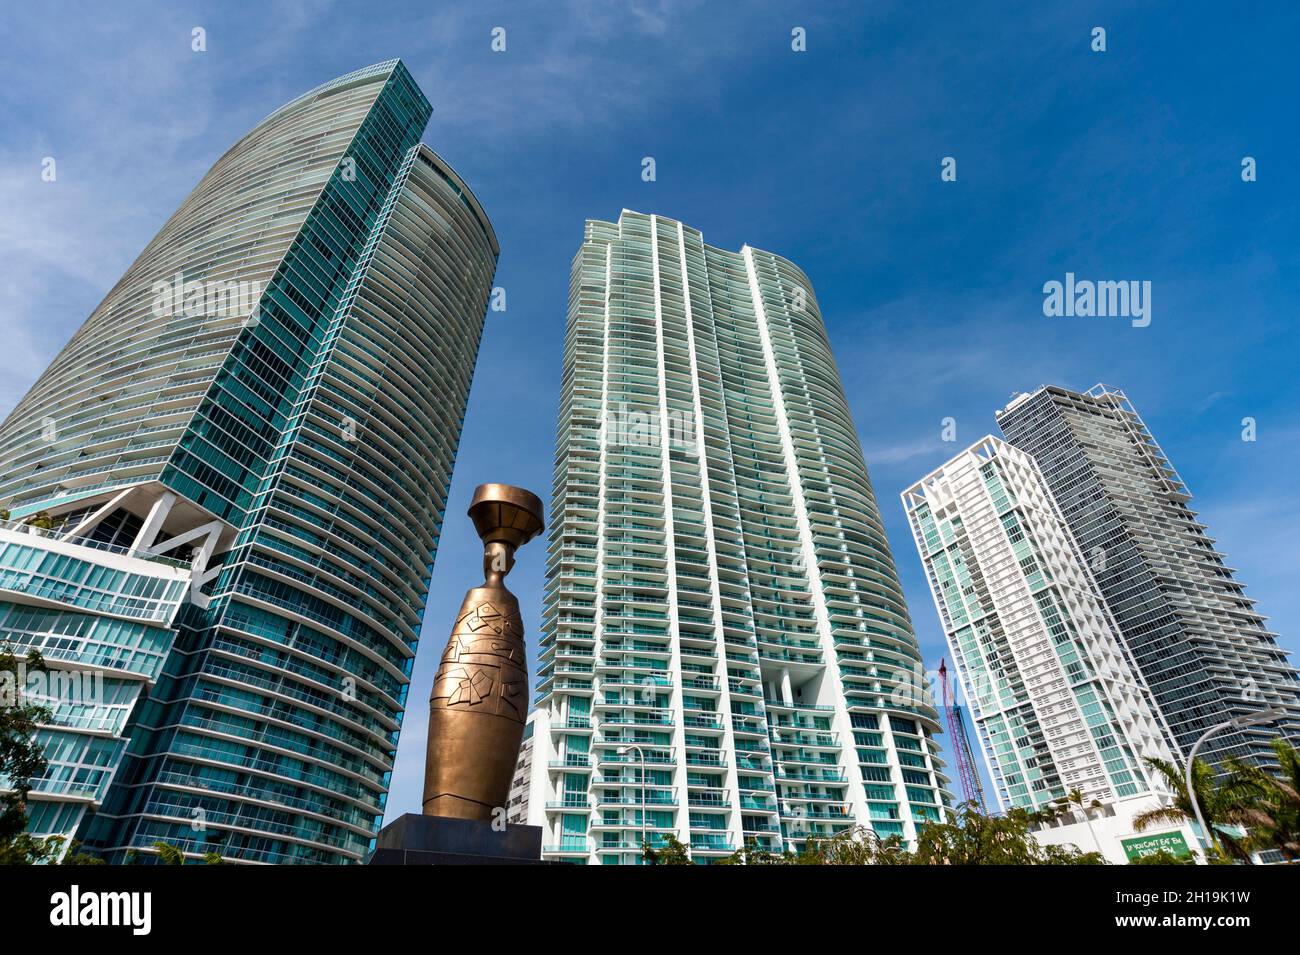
point(271, 396)
point(726, 657)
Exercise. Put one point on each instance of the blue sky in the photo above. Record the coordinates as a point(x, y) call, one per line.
point(1117, 165)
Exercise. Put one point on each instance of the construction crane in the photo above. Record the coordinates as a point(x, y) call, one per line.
point(971, 789)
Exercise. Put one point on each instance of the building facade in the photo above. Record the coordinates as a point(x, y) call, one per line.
point(726, 655)
point(272, 395)
point(103, 621)
point(522, 781)
point(1057, 703)
point(1186, 621)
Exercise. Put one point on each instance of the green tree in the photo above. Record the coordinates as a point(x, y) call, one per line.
point(856, 846)
point(972, 838)
point(1224, 805)
point(968, 838)
point(75, 856)
point(672, 853)
point(41, 520)
point(1163, 857)
point(1274, 815)
point(168, 854)
point(751, 854)
point(22, 760)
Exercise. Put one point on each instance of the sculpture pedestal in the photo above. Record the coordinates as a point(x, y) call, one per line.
point(414, 839)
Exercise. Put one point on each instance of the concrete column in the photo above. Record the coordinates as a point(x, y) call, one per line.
point(153, 522)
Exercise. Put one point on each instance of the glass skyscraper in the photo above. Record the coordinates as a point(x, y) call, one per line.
point(271, 398)
point(1192, 631)
point(726, 654)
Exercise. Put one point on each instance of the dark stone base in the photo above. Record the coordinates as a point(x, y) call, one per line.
point(414, 839)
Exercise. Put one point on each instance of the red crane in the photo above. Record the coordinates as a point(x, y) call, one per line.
point(962, 757)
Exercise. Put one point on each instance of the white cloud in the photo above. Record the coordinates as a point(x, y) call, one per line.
point(901, 453)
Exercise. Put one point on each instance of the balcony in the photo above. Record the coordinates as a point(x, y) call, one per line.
point(711, 846)
point(572, 763)
point(567, 849)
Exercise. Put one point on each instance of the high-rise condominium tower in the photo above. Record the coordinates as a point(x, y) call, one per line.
point(726, 655)
point(1194, 635)
point(1056, 700)
point(258, 422)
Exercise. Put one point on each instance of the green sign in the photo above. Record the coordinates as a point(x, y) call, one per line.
point(1171, 842)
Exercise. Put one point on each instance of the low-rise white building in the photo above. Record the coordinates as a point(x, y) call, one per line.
point(1110, 831)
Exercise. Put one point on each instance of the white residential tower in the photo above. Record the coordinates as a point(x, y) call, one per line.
point(726, 654)
point(1057, 701)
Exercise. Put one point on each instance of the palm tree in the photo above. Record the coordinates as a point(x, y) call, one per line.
point(1075, 797)
point(168, 854)
point(1275, 815)
point(1222, 804)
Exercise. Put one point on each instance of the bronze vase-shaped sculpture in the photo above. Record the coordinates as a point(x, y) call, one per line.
point(480, 695)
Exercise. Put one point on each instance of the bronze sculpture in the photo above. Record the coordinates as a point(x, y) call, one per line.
point(480, 695)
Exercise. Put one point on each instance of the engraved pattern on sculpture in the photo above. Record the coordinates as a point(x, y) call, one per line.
point(484, 661)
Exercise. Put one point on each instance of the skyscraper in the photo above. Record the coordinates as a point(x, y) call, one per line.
point(726, 655)
point(273, 393)
point(1055, 698)
point(1193, 633)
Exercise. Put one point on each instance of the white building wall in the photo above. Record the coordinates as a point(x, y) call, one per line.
point(1105, 831)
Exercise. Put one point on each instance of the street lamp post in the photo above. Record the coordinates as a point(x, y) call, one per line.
point(1237, 722)
point(640, 758)
point(1087, 818)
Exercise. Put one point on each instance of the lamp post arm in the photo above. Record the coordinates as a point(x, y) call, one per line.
point(1238, 722)
point(1191, 790)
